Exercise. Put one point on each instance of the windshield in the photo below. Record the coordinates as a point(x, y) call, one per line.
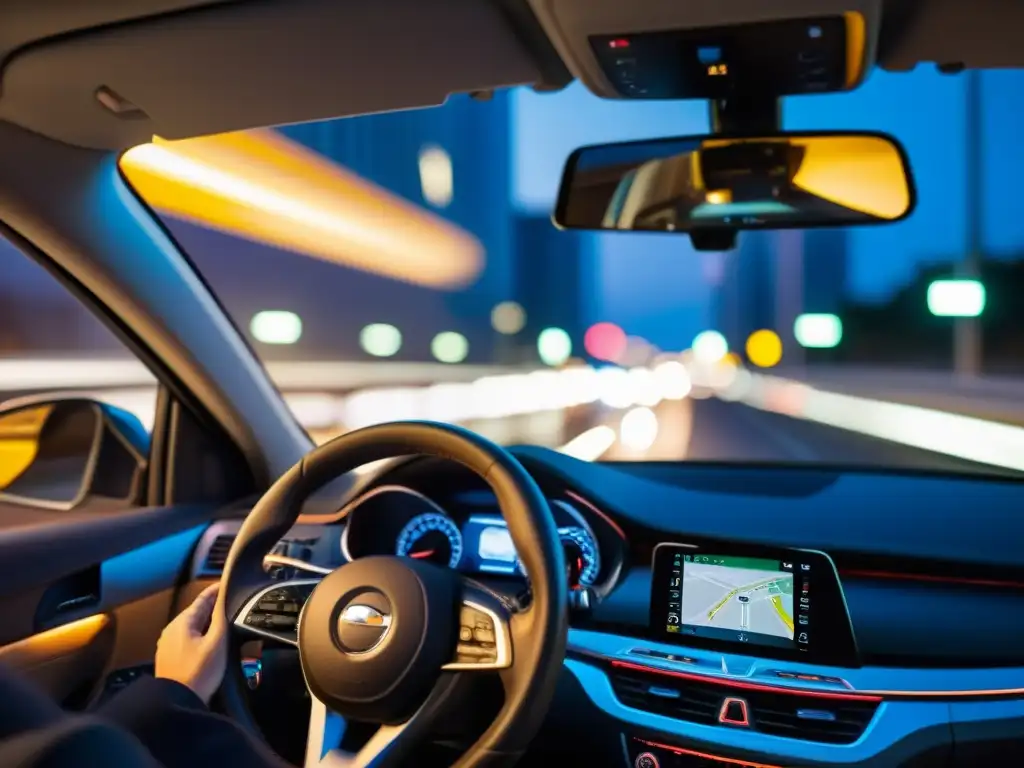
point(404, 265)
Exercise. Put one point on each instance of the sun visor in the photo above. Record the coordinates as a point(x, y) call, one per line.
point(254, 64)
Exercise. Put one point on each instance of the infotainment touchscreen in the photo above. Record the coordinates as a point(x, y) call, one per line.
point(785, 603)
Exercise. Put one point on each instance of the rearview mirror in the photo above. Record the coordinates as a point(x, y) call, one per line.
point(56, 454)
point(783, 181)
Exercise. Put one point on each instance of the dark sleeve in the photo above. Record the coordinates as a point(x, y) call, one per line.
point(73, 742)
point(180, 730)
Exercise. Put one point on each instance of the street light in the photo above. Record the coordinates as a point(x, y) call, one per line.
point(276, 326)
point(450, 347)
point(554, 346)
point(818, 331)
point(380, 339)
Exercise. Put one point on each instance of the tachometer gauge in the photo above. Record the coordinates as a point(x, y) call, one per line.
point(431, 536)
point(583, 559)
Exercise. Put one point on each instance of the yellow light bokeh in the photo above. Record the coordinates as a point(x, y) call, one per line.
point(764, 348)
point(264, 187)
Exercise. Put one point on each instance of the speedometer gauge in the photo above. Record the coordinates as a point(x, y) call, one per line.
point(582, 556)
point(431, 536)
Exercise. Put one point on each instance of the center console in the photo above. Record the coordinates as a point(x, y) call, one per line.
point(745, 643)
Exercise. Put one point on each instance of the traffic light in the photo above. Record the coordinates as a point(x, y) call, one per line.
point(956, 298)
point(818, 331)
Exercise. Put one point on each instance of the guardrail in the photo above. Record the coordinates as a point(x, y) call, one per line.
point(993, 398)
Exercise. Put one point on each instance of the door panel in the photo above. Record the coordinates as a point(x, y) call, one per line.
point(90, 597)
point(63, 660)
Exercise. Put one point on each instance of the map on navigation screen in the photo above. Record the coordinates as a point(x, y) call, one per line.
point(738, 594)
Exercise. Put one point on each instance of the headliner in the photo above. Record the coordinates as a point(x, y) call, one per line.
point(196, 67)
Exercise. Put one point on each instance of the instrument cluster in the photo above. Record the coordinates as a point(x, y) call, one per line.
point(469, 536)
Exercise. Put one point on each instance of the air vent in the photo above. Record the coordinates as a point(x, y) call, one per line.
point(833, 719)
point(217, 554)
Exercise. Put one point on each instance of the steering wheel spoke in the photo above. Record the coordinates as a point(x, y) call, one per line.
point(484, 637)
point(272, 613)
point(388, 746)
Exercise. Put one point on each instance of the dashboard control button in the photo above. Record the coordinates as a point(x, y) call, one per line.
point(483, 635)
point(465, 634)
point(646, 760)
point(734, 712)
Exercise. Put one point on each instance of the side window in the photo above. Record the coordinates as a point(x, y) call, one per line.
point(76, 407)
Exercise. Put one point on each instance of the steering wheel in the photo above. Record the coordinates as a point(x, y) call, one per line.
point(385, 639)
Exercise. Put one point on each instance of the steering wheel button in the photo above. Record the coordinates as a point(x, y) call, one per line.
point(483, 635)
point(465, 634)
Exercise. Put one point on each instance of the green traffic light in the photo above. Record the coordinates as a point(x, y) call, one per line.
point(956, 298)
point(818, 331)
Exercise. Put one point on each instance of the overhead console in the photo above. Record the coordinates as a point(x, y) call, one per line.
point(783, 58)
point(713, 49)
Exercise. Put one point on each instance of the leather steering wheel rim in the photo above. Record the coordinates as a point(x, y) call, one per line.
point(538, 633)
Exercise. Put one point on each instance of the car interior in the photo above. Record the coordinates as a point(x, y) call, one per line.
point(462, 603)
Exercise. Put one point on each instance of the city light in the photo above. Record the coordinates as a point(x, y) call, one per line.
point(710, 347)
point(273, 326)
point(674, 380)
point(437, 179)
point(554, 346)
point(818, 331)
point(605, 341)
point(380, 340)
point(508, 318)
point(638, 429)
point(764, 348)
point(956, 298)
point(449, 347)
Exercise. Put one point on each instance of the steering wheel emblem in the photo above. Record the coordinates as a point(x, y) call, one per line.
point(363, 627)
point(366, 616)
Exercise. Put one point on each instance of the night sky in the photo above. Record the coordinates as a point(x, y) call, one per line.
point(657, 281)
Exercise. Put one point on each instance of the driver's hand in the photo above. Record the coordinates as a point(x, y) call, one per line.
point(193, 648)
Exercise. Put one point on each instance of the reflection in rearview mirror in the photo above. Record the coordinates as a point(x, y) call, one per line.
point(783, 181)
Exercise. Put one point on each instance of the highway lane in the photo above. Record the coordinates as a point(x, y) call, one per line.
point(716, 430)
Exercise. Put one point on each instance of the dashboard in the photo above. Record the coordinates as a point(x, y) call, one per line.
point(745, 616)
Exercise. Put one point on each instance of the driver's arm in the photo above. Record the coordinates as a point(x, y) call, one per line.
point(168, 713)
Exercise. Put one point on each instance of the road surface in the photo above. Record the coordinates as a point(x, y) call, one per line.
point(715, 430)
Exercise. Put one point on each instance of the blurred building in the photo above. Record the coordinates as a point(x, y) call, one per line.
point(825, 263)
point(773, 277)
point(453, 160)
point(746, 297)
point(554, 279)
point(39, 317)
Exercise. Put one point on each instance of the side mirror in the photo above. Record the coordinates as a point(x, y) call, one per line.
point(58, 453)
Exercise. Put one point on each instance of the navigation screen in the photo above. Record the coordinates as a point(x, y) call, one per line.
point(786, 602)
point(734, 598)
